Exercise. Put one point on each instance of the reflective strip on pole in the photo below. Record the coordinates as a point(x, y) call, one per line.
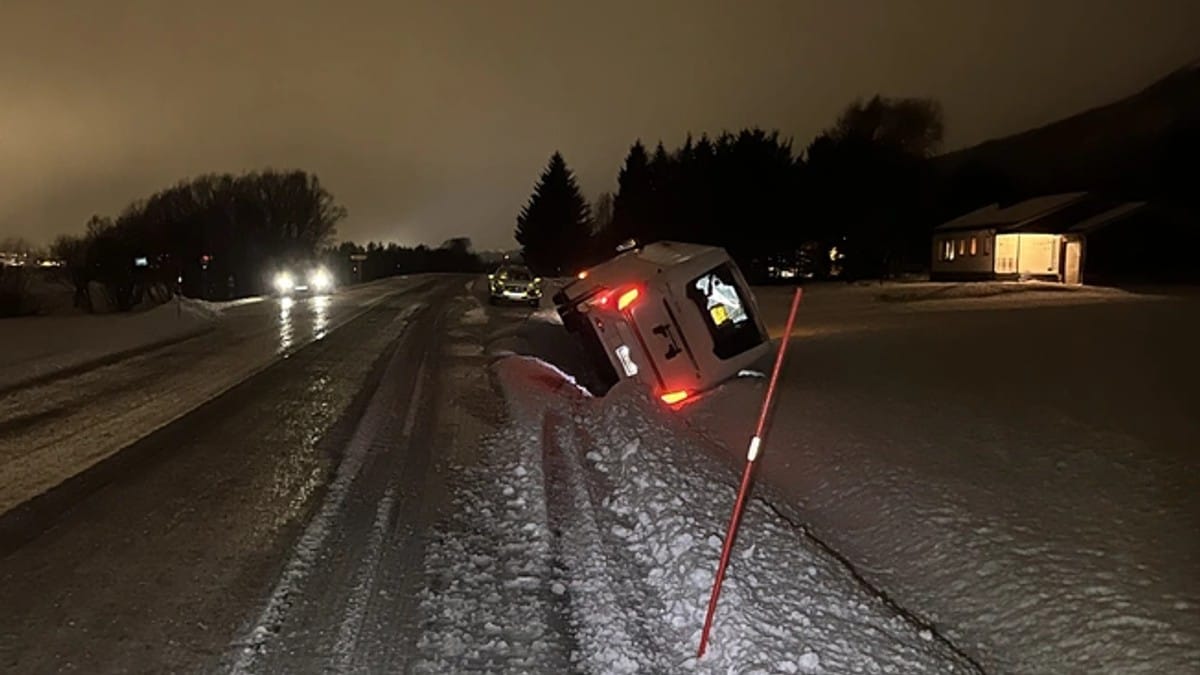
point(744, 488)
point(752, 454)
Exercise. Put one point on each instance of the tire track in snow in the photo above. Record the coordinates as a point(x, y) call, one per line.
point(365, 579)
point(364, 584)
point(312, 541)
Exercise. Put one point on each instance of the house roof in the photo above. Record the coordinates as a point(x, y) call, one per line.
point(1105, 217)
point(1050, 214)
point(1015, 215)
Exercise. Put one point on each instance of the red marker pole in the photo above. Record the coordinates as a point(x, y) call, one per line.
point(751, 456)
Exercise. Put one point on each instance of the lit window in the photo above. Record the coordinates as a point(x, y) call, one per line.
point(973, 251)
point(962, 246)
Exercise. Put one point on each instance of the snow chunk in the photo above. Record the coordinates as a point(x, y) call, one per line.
point(476, 316)
point(809, 662)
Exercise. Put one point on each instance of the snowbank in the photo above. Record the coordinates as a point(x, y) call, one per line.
point(591, 534)
point(547, 315)
point(32, 348)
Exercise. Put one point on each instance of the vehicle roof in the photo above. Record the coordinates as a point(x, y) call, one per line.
point(650, 262)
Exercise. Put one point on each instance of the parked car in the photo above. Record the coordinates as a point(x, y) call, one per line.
point(677, 317)
point(514, 283)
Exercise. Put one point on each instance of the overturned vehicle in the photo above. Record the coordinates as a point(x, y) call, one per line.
point(678, 317)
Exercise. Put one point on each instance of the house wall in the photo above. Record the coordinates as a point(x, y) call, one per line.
point(963, 255)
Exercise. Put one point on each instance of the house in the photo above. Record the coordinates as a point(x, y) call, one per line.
point(1040, 238)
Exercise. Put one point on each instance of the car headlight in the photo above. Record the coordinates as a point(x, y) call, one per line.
point(320, 279)
point(284, 282)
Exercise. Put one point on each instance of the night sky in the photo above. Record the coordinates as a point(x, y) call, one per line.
point(429, 120)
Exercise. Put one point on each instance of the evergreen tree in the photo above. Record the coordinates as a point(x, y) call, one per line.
point(633, 208)
point(554, 228)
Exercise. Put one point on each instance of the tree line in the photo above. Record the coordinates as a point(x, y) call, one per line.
point(352, 262)
point(861, 189)
point(223, 236)
point(216, 236)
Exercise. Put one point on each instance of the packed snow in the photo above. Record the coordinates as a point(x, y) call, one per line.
point(474, 316)
point(589, 536)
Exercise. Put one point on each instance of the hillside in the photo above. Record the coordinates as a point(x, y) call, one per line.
point(1140, 146)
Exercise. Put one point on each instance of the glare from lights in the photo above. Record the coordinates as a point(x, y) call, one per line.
point(320, 280)
point(284, 283)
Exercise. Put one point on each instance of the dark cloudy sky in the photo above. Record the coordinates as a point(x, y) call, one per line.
point(432, 119)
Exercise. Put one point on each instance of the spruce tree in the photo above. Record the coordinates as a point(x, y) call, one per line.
point(634, 205)
point(554, 228)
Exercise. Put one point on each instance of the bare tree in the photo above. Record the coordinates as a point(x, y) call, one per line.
point(602, 212)
point(913, 125)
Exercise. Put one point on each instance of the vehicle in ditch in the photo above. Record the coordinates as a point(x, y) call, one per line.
point(679, 318)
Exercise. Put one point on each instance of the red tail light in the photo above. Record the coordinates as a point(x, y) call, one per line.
point(627, 298)
point(673, 397)
point(601, 299)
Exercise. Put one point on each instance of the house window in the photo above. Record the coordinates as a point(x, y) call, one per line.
point(987, 245)
point(962, 247)
point(973, 250)
point(948, 249)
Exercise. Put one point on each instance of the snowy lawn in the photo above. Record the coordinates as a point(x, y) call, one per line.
point(1023, 475)
point(832, 307)
point(589, 536)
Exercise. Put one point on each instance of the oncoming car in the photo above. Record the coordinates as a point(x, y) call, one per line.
point(514, 283)
point(317, 281)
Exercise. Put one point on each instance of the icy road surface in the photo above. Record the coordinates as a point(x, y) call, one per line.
point(1024, 473)
point(52, 431)
point(193, 548)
